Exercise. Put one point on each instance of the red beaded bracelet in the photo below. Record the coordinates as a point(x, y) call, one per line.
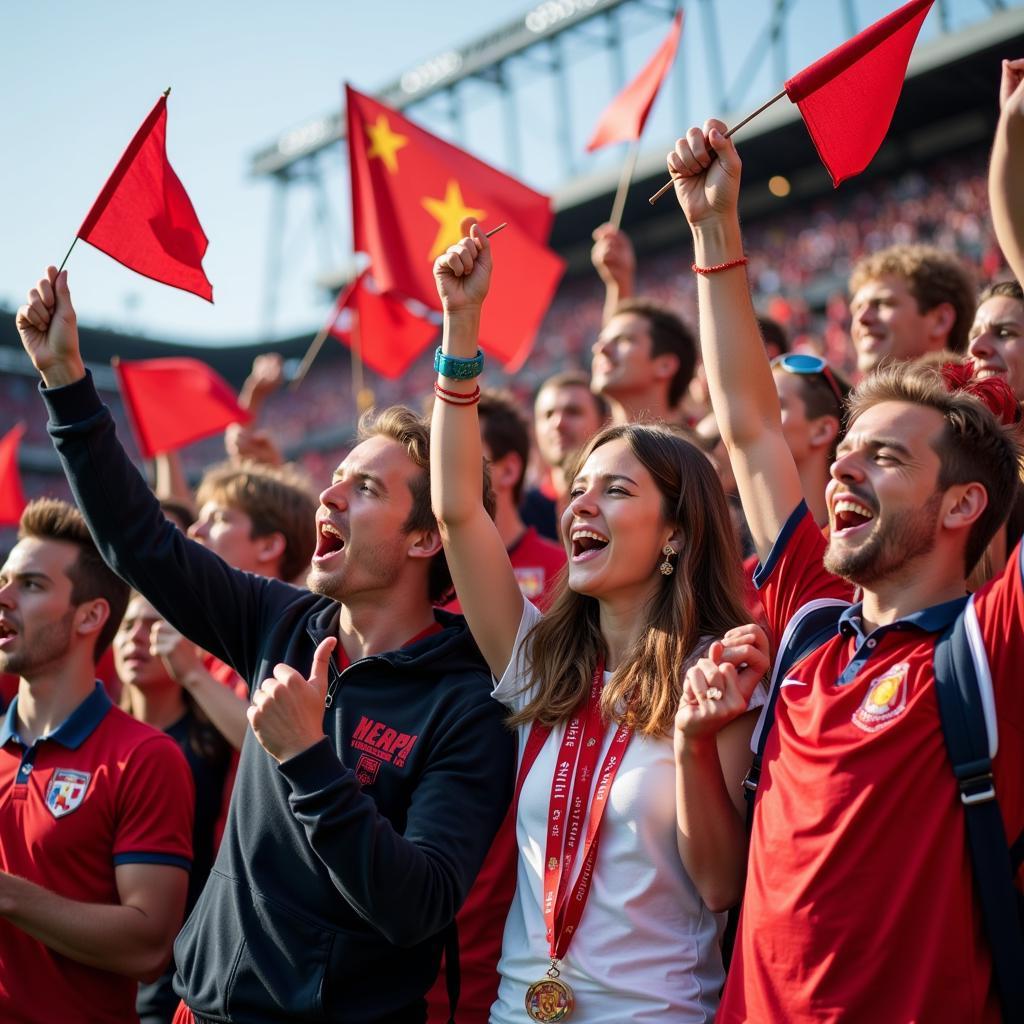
point(742, 261)
point(457, 397)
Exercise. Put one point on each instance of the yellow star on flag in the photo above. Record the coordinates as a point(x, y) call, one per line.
point(385, 143)
point(449, 214)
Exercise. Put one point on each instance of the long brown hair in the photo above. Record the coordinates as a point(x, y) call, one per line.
point(703, 597)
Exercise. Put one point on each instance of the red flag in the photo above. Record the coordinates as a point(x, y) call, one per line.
point(12, 497)
point(389, 335)
point(847, 98)
point(410, 190)
point(173, 402)
point(143, 217)
point(624, 119)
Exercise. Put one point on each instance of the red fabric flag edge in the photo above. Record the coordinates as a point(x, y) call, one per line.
point(145, 446)
point(12, 501)
point(843, 57)
point(608, 131)
point(113, 182)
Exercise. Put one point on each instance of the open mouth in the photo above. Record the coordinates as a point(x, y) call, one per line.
point(849, 515)
point(984, 370)
point(587, 544)
point(329, 541)
point(7, 633)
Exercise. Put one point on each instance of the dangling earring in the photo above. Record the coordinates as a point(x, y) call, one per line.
point(667, 568)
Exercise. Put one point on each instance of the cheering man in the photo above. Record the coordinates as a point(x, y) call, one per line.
point(378, 768)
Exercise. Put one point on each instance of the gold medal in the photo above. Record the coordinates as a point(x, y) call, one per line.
point(550, 999)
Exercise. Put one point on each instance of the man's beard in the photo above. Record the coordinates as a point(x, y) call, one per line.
point(46, 647)
point(378, 570)
point(903, 537)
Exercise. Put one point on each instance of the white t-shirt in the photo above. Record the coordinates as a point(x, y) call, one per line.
point(647, 948)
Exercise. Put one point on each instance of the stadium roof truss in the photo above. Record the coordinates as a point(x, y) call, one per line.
point(549, 39)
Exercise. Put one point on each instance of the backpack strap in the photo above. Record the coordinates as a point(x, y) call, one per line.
point(814, 624)
point(963, 688)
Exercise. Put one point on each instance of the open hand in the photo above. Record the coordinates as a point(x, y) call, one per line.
point(179, 655)
point(242, 443)
point(707, 188)
point(287, 710)
point(463, 273)
point(49, 330)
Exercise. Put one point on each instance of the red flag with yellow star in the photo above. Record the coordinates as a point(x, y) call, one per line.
point(410, 192)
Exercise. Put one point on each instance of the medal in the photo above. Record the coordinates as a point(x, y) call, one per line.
point(551, 999)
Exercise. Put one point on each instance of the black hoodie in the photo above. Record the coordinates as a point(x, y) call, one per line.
point(341, 868)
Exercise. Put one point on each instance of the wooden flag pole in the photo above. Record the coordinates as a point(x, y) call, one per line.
point(750, 117)
point(628, 167)
point(311, 354)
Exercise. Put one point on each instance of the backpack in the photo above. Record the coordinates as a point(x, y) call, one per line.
point(967, 714)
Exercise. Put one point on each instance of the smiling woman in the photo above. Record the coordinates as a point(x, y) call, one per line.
point(594, 688)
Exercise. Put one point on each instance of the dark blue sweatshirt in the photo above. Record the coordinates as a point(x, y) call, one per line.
point(341, 868)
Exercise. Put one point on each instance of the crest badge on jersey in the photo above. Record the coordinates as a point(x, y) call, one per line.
point(885, 700)
point(66, 791)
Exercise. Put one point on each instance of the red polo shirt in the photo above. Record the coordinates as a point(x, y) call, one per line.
point(536, 561)
point(99, 791)
point(859, 902)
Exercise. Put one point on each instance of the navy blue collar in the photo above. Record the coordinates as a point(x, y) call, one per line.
point(932, 620)
point(73, 731)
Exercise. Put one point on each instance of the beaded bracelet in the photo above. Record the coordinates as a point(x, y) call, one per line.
point(742, 261)
point(457, 397)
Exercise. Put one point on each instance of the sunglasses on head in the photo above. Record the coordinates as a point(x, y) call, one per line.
point(806, 364)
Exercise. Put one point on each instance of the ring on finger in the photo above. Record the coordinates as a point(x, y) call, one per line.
point(713, 693)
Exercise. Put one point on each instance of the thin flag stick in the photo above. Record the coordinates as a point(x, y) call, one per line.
point(66, 255)
point(750, 117)
point(619, 205)
point(317, 343)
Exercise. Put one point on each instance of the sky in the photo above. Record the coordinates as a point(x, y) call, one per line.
point(79, 76)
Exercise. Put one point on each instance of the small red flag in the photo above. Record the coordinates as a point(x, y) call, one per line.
point(143, 217)
point(173, 402)
point(410, 191)
point(389, 335)
point(847, 98)
point(12, 497)
point(624, 119)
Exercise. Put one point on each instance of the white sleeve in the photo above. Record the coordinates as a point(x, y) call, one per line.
point(517, 687)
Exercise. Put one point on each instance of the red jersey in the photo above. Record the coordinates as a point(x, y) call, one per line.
point(536, 561)
point(99, 791)
point(859, 902)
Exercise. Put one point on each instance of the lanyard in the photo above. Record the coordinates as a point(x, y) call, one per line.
point(571, 785)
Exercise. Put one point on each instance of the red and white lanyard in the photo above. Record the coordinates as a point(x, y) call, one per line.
point(577, 759)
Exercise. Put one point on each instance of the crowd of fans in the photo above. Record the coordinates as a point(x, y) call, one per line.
point(454, 720)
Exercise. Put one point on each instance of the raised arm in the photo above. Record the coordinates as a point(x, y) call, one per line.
point(214, 605)
point(739, 376)
point(479, 564)
point(615, 262)
point(1006, 172)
